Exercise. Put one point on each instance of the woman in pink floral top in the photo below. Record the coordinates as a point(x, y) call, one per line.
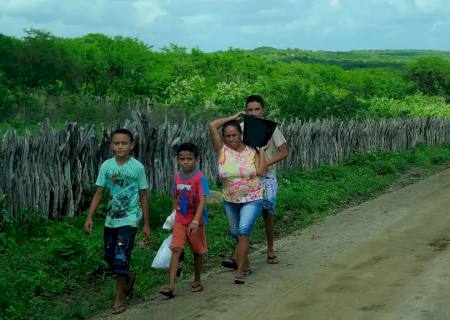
point(240, 170)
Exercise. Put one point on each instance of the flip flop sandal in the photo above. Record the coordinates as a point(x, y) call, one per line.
point(196, 287)
point(119, 309)
point(272, 259)
point(230, 263)
point(239, 280)
point(167, 292)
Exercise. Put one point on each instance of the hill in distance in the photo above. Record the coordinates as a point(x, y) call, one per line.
point(349, 59)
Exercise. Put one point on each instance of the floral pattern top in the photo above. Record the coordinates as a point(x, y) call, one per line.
point(238, 174)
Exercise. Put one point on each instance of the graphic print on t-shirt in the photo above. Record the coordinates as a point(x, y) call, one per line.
point(184, 192)
point(123, 184)
point(187, 191)
point(121, 193)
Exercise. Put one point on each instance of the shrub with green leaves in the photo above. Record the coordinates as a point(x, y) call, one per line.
point(415, 106)
point(5, 217)
point(383, 167)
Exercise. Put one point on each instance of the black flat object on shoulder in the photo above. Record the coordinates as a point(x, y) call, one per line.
point(258, 131)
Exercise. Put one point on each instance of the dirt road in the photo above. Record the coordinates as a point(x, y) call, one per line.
point(385, 259)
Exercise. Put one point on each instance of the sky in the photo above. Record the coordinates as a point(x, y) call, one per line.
point(211, 25)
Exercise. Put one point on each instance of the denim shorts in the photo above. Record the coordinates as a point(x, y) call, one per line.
point(118, 243)
point(242, 216)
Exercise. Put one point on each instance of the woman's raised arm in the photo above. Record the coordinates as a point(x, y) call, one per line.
point(214, 127)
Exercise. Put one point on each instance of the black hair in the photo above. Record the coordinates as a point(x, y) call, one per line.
point(122, 131)
point(231, 123)
point(255, 98)
point(187, 146)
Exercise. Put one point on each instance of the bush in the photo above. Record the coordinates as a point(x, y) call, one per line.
point(329, 173)
point(383, 167)
point(439, 159)
point(5, 218)
point(415, 106)
point(159, 205)
point(27, 224)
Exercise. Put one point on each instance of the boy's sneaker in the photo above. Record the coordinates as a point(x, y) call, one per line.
point(180, 265)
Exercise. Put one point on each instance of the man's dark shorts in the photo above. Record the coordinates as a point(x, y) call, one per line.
point(118, 243)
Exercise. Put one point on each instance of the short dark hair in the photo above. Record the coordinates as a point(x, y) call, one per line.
point(188, 146)
point(255, 98)
point(122, 131)
point(231, 123)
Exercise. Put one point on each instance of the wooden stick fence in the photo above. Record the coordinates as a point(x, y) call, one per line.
point(54, 169)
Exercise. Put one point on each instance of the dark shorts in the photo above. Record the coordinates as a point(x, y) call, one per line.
point(118, 243)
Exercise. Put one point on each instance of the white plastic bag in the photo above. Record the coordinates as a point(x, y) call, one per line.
point(163, 256)
point(168, 224)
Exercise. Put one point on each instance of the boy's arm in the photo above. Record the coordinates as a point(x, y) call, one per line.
point(145, 212)
point(94, 204)
point(198, 214)
point(281, 155)
point(174, 203)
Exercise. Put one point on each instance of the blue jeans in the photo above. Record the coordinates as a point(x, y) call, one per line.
point(242, 216)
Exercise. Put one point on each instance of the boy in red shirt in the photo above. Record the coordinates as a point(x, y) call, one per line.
point(190, 190)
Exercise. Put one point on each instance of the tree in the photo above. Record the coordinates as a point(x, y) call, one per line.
point(45, 62)
point(431, 76)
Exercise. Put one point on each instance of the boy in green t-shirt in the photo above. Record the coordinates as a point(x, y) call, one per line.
point(124, 178)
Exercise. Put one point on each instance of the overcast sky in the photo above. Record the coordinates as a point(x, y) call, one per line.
point(220, 24)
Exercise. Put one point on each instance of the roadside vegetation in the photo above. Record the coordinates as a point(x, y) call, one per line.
point(53, 270)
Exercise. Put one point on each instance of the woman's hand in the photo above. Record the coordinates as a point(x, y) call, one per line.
point(238, 115)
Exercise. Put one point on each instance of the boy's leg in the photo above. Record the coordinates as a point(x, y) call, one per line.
point(109, 244)
point(176, 252)
point(197, 285)
point(268, 211)
point(121, 287)
point(131, 279)
point(268, 224)
point(121, 264)
point(178, 240)
point(169, 291)
point(197, 242)
point(180, 264)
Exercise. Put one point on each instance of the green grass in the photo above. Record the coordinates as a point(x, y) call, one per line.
point(53, 270)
